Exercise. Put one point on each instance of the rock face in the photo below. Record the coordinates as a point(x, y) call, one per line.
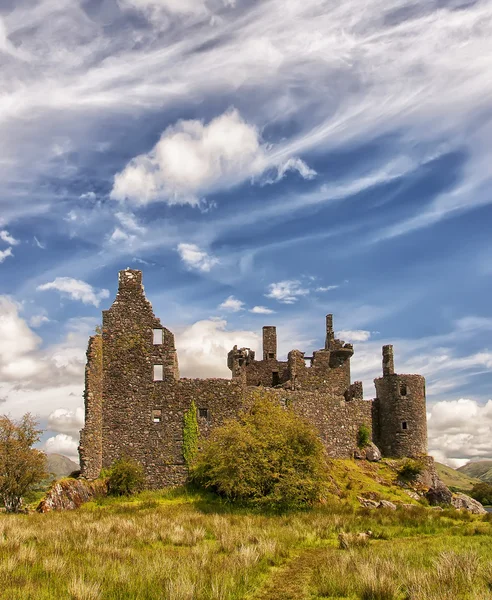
point(373, 453)
point(439, 494)
point(69, 494)
point(367, 503)
point(462, 501)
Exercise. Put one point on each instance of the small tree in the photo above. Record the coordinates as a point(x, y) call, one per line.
point(21, 466)
point(482, 492)
point(363, 436)
point(126, 477)
point(269, 456)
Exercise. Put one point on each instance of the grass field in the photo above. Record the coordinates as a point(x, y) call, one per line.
point(182, 545)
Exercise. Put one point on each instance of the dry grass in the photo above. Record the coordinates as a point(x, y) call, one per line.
point(173, 546)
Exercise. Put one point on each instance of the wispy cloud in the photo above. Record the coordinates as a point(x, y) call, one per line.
point(76, 290)
point(287, 292)
point(7, 238)
point(261, 310)
point(5, 254)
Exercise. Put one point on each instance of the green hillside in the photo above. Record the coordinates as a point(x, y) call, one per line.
point(480, 469)
point(455, 479)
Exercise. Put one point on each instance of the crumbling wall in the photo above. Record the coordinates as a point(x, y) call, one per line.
point(90, 447)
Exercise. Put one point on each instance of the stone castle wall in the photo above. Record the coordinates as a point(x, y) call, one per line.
point(135, 400)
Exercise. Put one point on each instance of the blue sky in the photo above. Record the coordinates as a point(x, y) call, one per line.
point(262, 163)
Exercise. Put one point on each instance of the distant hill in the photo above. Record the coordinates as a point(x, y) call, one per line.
point(454, 478)
point(481, 469)
point(60, 465)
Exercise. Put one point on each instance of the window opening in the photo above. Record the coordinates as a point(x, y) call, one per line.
point(156, 416)
point(271, 355)
point(275, 378)
point(403, 390)
point(157, 336)
point(404, 425)
point(203, 413)
point(308, 362)
point(158, 373)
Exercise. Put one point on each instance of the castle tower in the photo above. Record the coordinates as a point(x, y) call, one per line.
point(401, 422)
point(269, 342)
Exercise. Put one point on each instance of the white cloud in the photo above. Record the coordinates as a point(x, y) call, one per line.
point(66, 421)
point(191, 159)
point(460, 430)
point(326, 288)
point(261, 310)
point(355, 335)
point(287, 292)
point(129, 221)
point(5, 254)
point(62, 444)
point(195, 258)
point(6, 237)
point(76, 290)
point(157, 10)
point(203, 347)
point(232, 304)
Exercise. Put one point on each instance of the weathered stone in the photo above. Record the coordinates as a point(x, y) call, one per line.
point(387, 504)
point(372, 453)
point(439, 494)
point(69, 494)
point(360, 453)
point(464, 502)
point(367, 503)
point(412, 494)
point(135, 399)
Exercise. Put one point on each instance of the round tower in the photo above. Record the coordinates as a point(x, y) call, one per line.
point(402, 418)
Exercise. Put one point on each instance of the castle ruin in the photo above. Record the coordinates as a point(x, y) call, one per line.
point(135, 400)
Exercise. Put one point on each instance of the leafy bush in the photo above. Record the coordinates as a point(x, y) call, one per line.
point(363, 436)
point(482, 492)
point(126, 477)
point(410, 470)
point(21, 466)
point(268, 457)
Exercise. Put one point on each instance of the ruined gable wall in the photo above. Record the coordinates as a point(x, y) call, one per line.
point(129, 390)
point(261, 372)
point(90, 447)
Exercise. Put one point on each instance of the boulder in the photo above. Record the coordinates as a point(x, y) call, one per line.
point(439, 494)
point(464, 502)
point(68, 494)
point(387, 504)
point(412, 494)
point(373, 453)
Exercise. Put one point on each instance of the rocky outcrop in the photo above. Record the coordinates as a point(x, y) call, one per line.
point(464, 502)
point(69, 494)
point(368, 503)
point(439, 495)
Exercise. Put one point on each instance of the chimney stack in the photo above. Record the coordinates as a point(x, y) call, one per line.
point(330, 336)
point(269, 342)
point(388, 361)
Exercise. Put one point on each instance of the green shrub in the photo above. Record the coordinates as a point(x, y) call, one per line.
point(482, 492)
point(363, 436)
point(267, 457)
point(126, 477)
point(410, 469)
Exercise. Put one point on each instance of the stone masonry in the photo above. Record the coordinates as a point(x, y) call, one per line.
point(135, 400)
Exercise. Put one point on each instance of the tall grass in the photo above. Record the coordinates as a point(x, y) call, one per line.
point(182, 546)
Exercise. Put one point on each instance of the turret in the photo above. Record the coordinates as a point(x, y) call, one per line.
point(401, 411)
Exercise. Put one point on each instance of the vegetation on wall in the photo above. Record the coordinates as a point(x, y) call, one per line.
point(363, 436)
point(269, 456)
point(190, 435)
point(410, 469)
point(22, 467)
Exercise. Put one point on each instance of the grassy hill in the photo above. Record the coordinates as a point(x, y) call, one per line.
point(480, 469)
point(455, 479)
point(184, 545)
point(60, 465)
